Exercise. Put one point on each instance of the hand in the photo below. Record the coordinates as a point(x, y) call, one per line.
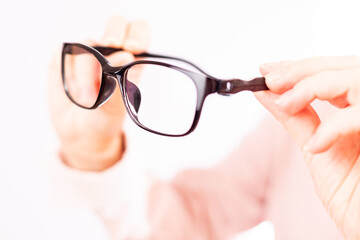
point(93, 139)
point(331, 146)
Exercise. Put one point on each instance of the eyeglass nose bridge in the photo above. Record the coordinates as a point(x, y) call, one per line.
point(109, 86)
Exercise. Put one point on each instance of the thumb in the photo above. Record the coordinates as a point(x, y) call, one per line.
point(300, 126)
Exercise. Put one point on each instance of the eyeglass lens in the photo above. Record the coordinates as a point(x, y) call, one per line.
point(82, 76)
point(158, 97)
point(165, 99)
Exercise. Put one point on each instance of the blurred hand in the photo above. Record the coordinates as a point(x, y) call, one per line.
point(93, 139)
point(332, 146)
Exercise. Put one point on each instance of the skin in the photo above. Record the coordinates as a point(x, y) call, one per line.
point(331, 147)
point(93, 140)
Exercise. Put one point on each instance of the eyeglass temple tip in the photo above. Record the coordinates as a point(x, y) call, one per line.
point(226, 87)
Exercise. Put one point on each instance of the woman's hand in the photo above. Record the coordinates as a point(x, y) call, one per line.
point(93, 139)
point(331, 146)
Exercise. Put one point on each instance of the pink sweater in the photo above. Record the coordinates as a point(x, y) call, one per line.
point(265, 178)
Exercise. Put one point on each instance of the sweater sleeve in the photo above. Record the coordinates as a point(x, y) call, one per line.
point(212, 203)
point(117, 195)
point(224, 200)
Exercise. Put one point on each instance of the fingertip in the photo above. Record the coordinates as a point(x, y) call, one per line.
point(115, 20)
point(90, 42)
point(120, 58)
point(267, 98)
point(262, 94)
point(323, 138)
point(267, 68)
point(134, 46)
point(273, 81)
point(115, 31)
point(127, 56)
point(138, 37)
point(291, 102)
point(262, 70)
point(141, 24)
point(316, 145)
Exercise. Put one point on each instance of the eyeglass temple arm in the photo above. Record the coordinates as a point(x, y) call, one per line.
point(109, 50)
point(224, 87)
point(232, 86)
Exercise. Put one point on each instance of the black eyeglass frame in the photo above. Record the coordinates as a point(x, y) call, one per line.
point(205, 83)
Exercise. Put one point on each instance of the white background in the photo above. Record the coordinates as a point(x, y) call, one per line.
point(227, 38)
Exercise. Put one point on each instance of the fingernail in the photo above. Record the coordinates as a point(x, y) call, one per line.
point(310, 145)
point(289, 102)
point(284, 98)
point(274, 77)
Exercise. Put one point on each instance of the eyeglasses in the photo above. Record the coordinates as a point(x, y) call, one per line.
point(159, 97)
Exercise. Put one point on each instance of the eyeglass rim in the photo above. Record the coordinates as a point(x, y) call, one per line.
point(203, 88)
point(200, 81)
point(206, 84)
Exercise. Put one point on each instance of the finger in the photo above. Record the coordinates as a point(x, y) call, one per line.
point(326, 85)
point(285, 77)
point(138, 37)
point(120, 58)
point(300, 126)
point(115, 32)
point(344, 122)
point(340, 102)
point(270, 67)
point(84, 79)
